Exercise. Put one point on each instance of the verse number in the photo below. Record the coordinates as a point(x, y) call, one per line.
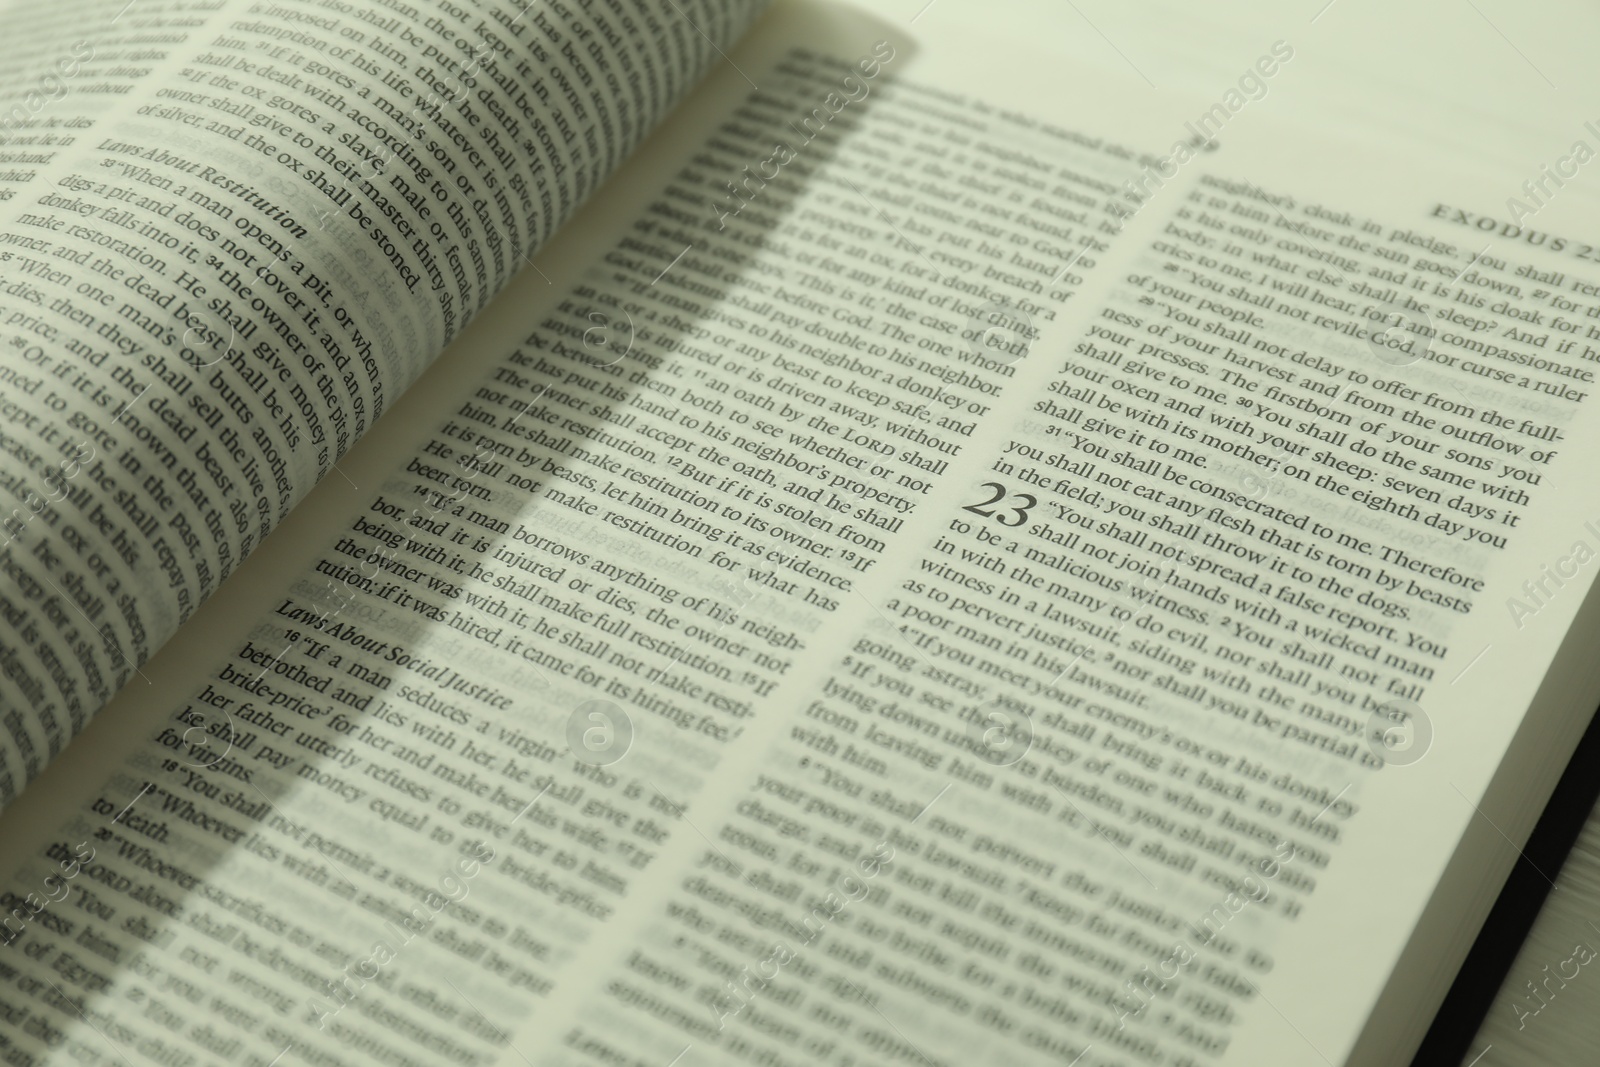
point(987, 509)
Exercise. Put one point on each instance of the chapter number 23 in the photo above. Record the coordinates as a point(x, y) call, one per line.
point(987, 509)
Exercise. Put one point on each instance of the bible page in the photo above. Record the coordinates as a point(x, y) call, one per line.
point(917, 592)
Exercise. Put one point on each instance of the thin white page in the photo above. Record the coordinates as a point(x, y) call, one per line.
point(1503, 85)
point(1333, 966)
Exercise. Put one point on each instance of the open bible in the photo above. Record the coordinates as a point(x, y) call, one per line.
point(902, 567)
